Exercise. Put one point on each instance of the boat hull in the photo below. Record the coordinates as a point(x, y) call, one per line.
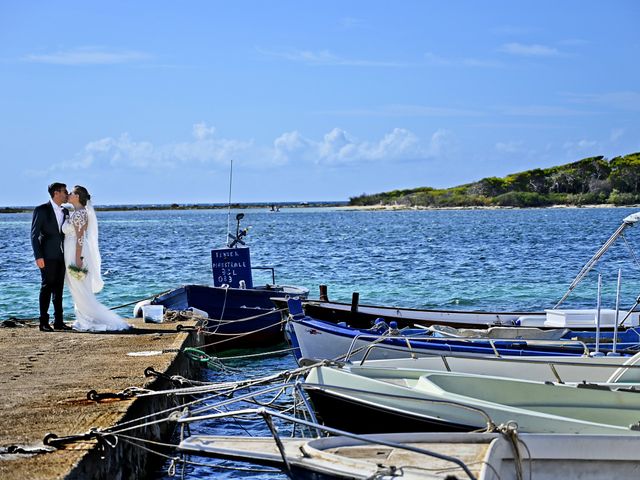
point(475, 400)
point(351, 415)
point(238, 318)
point(318, 340)
point(363, 316)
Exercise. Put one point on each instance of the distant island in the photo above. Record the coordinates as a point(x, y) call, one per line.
point(591, 181)
point(271, 206)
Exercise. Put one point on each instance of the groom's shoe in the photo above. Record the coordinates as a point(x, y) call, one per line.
point(45, 327)
point(61, 326)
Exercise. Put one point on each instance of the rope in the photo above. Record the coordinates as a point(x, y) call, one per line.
point(140, 300)
point(225, 321)
point(510, 432)
point(228, 388)
point(263, 354)
point(132, 441)
point(171, 316)
point(239, 335)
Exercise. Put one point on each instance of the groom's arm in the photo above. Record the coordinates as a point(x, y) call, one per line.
point(36, 229)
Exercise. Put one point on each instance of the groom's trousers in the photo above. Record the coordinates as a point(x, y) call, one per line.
point(51, 289)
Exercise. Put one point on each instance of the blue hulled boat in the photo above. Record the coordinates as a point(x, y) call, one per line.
point(239, 314)
point(319, 340)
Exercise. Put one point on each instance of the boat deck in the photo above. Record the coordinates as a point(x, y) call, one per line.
point(354, 461)
point(45, 378)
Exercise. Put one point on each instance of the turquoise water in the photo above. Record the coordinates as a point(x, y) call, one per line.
point(460, 259)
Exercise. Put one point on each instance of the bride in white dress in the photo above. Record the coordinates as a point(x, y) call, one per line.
point(81, 250)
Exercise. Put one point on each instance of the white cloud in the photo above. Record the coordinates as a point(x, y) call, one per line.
point(442, 142)
point(336, 147)
point(326, 58)
point(339, 147)
point(582, 148)
point(88, 56)
point(533, 50)
point(124, 151)
point(201, 131)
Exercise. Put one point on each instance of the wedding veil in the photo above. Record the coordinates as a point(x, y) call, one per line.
point(93, 260)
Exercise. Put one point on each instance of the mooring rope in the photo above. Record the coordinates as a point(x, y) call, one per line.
point(203, 358)
point(239, 335)
point(510, 432)
point(131, 440)
point(227, 390)
point(139, 300)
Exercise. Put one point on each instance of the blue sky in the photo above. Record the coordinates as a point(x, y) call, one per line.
point(147, 102)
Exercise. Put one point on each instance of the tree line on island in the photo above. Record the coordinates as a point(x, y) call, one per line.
point(591, 181)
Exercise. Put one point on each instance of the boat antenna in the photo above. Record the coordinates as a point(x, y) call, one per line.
point(627, 222)
point(229, 203)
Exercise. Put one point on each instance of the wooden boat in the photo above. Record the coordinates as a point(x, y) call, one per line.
point(486, 456)
point(364, 316)
point(443, 401)
point(238, 314)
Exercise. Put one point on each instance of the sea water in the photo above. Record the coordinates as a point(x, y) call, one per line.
point(509, 259)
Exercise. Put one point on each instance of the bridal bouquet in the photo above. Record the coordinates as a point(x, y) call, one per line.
point(77, 272)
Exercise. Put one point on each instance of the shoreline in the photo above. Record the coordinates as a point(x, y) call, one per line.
point(336, 205)
point(271, 206)
point(477, 207)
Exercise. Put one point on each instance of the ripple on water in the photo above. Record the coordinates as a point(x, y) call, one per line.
point(492, 260)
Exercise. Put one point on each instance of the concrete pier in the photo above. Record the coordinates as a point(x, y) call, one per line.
point(44, 381)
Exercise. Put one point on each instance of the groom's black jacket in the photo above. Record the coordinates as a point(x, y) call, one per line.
point(46, 237)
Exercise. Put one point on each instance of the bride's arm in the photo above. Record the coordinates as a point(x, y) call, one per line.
point(80, 226)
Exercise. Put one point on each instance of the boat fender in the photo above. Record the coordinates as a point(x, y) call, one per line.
point(342, 324)
point(199, 312)
point(379, 326)
point(393, 328)
point(137, 309)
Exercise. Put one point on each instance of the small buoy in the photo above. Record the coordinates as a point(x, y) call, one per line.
point(137, 310)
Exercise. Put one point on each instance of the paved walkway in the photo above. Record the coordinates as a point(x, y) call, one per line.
point(44, 380)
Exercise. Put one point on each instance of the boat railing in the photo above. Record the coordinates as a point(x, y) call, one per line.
point(273, 273)
point(376, 339)
point(552, 364)
point(268, 416)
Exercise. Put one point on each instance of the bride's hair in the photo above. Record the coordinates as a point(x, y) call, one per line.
point(83, 194)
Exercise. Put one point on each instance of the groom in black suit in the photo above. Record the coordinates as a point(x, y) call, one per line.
point(47, 242)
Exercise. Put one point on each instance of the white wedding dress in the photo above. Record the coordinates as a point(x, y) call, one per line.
point(91, 315)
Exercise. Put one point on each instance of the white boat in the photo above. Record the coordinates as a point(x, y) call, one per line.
point(429, 456)
point(443, 401)
point(600, 369)
point(317, 340)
